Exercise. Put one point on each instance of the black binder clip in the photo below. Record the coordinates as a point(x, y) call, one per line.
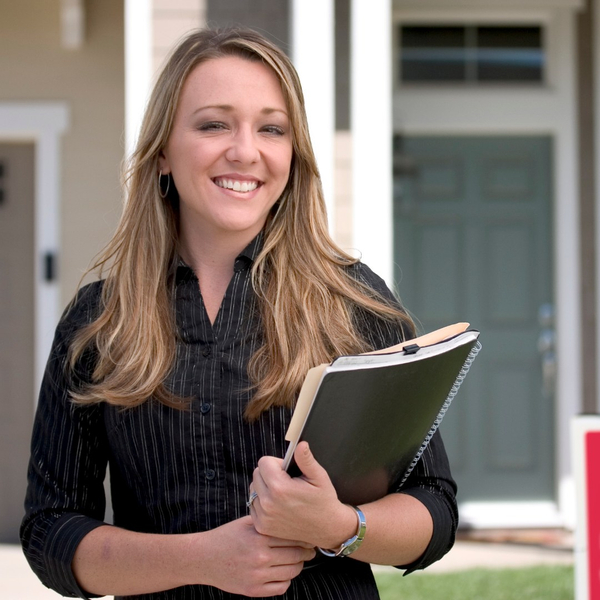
point(411, 349)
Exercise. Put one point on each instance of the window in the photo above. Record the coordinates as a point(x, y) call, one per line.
point(471, 54)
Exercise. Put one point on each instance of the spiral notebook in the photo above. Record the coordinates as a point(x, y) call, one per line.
point(369, 417)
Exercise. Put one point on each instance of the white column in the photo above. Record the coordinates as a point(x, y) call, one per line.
point(371, 124)
point(312, 29)
point(138, 65)
point(44, 123)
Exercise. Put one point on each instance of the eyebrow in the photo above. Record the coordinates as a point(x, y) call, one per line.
point(228, 108)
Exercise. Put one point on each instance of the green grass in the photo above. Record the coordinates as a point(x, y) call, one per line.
point(532, 583)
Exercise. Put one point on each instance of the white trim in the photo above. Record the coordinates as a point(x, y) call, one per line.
point(43, 124)
point(501, 515)
point(567, 268)
point(138, 66)
point(312, 27)
point(548, 110)
point(371, 119)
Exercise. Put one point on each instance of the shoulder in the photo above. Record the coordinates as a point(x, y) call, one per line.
point(60, 375)
point(380, 331)
point(365, 275)
point(83, 308)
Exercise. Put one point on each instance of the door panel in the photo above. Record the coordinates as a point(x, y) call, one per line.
point(472, 243)
point(16, 330)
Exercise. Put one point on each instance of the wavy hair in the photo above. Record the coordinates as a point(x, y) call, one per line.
point(307, 295)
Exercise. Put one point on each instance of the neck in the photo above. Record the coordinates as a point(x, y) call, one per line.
point(212, 259)
point(209, 253)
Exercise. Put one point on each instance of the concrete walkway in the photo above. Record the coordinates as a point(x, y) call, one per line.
point(17, 582)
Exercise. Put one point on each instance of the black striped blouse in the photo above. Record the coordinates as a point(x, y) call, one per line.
point(186, 471)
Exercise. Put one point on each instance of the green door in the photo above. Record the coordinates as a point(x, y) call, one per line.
point(472, 222)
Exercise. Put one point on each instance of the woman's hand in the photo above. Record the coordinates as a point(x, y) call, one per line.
point(249, 563)
point(234, 557)
point(300, 508)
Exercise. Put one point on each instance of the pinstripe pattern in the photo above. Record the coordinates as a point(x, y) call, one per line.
point(185, 471)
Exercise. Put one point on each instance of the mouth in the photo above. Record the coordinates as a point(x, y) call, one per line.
point(237, 185)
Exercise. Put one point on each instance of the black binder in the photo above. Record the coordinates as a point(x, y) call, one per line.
point(368, 418)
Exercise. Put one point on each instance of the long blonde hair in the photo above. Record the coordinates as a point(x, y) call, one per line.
point(306, 294)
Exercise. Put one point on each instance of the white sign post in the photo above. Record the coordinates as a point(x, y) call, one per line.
point(585, 436)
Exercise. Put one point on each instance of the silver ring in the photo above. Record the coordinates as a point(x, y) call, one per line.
point(251, 499)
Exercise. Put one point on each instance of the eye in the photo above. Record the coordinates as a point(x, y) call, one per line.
point(273, 130)
point(212, 126)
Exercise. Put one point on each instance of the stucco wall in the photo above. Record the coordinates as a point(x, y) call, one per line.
point(34, 66)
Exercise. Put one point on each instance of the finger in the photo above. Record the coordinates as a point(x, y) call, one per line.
point(258, 485)
point(251, 499)
point(270, 467)
point(274, 588)
point(275, 542)
point(293, 555)
point(308, 464)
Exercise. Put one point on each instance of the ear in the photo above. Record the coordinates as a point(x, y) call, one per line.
point(163, 163)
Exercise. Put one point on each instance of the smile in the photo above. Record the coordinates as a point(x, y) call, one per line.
point(237, 186)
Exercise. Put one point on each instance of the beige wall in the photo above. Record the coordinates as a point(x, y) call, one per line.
point(172, 19)
point(34, 66)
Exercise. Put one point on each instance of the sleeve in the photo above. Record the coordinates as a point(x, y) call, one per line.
point(431, 481)
point(65, 497)
point(432, 484)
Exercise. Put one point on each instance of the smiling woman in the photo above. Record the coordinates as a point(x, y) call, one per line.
point(179, 368)
point(229, 153)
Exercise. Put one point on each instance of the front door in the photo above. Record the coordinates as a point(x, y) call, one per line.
point(16, 330)
point(472, 223)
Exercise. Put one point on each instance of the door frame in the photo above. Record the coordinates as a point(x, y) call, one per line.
point(41, 123)
point(550, 109)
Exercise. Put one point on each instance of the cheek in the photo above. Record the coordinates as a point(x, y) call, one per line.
point(285, 163)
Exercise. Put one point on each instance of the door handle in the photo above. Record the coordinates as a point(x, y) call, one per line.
point(546, 347)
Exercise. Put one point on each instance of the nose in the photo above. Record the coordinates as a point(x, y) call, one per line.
point(243, 147)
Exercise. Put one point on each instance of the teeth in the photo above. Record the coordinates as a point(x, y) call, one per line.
point(237, 186)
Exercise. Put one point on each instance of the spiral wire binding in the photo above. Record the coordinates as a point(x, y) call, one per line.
point(453, 391)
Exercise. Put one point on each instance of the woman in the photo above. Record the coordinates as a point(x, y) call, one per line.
point(180, 369)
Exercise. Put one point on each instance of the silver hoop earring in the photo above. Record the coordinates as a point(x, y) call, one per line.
point(160, 192)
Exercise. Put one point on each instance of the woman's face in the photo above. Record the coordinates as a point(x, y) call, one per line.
point(230, 150)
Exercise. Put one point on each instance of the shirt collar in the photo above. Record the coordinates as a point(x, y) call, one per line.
point(252, 250)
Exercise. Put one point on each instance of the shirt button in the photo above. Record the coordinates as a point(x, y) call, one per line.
point(206, 352)
point(205, 408)
point(210, 474)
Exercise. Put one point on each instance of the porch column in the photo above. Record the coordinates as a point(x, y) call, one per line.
point(312, 34)
point(595, 73)
point(371, 125)
point(138, 66)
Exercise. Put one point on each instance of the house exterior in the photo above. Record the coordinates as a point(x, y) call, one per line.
point(457, 141)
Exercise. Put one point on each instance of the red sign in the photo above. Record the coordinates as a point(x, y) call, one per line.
point(592, 450)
